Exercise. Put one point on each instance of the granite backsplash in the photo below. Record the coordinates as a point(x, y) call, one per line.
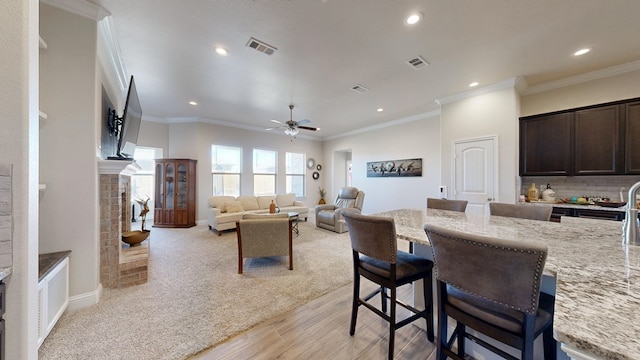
point(589, 186)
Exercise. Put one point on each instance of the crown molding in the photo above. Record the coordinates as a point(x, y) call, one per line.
point(387, 124)
point(112, 49)
point(84, 8)
point(582, 78)
point(517, 83)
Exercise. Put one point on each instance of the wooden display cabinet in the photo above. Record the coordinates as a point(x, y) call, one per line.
point(175, 193)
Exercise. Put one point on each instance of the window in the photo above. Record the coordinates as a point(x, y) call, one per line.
point(264, 172)
point(142, 185)
point(295, 174)
point(226, 165)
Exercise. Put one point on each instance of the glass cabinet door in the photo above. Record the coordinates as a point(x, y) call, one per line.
point(169, 180)
point(182, 187)
point(159, 188)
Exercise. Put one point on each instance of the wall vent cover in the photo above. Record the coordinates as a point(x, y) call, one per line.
point(261, 46)
point(359, 88)
point(417, 62)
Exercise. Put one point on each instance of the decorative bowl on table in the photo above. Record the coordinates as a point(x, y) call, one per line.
point(134, 238)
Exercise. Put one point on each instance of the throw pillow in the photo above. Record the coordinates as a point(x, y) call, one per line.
point(233, 207)
point(285, 200)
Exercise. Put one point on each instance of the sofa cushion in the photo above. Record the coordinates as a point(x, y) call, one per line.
point(219, 201)
point(233, 207)
point(248, 202)
point(285, 200)
point(265, 201)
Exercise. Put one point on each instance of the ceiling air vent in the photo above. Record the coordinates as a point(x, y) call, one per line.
point(417, 62)
point(359, 88)
point(261, 46)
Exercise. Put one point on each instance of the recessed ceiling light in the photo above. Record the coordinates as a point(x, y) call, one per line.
point(222, 51)
point(473, 84)
point(193, 103)
point(413, 18)
point(581, 52)
point(380, 110)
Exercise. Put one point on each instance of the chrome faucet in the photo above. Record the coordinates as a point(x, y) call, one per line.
point(630, 228)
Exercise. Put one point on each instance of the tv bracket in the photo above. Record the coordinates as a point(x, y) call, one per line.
point(114, 122)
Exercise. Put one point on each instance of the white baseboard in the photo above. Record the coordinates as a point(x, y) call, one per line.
point(86, 299)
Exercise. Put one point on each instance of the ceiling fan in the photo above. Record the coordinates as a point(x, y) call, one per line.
point(292, 127)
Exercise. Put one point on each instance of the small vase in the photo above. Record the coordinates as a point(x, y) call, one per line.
point(533, 194)
point(321, 202)
point(272, 207)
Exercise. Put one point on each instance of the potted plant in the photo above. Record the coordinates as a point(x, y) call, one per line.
point(322, 193)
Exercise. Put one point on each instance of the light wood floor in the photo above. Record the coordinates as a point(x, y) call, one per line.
point(320, 330)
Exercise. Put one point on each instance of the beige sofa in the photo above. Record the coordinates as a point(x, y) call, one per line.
point(224, 211)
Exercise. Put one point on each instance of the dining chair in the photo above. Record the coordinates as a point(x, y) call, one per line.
point(376, 258)
point(493, 287)
point(445, 204)
point(533, 212)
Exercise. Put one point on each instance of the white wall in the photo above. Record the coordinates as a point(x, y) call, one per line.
point(417, 139)
point(19, 146)
point(619, 87)
point(492, 113)
point(193, 141)
point(69, 208)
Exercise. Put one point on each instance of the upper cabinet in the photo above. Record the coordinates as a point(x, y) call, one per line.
point(595, 140)
point(632, 137)
point(545, 144)
point(598, 141)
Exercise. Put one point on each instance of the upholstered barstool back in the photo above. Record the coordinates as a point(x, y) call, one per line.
point(376, 257)
point(444, 204)
point(329, 216)
point(493, 286)
point(533, 212)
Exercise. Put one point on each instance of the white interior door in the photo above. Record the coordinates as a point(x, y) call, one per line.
point(475, 172)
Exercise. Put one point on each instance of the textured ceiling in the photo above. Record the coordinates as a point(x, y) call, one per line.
point(324, 47)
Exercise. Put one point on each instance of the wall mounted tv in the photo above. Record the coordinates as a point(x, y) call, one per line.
point(126, 127)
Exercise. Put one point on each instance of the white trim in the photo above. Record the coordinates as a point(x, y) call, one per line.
point(387, 124)
point(118, 167)
point(85, 300)
point(516, 82)
point(582, 78)
point(84, 8)
point(112, 47)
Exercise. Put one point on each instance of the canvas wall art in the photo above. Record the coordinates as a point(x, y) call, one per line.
point(395, 168)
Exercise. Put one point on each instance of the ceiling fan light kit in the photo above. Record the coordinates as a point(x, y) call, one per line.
point(292, 128)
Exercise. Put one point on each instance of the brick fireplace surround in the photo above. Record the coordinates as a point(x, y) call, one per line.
point(120, 264)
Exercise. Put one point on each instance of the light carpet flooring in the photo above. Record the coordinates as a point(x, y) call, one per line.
point(195, 299)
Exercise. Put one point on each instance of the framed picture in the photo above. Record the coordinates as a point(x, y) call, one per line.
point(395, 168)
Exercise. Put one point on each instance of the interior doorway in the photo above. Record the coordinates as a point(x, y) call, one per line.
point(341, 170)
point(475, 174)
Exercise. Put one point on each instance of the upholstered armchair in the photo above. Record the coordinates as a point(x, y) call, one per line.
point(329, 216)
point(264, 236)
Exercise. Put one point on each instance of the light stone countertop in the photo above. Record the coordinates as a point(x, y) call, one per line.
point(597, 307)
point(4, 272)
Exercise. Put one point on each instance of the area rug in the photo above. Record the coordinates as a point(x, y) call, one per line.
point(195, 299)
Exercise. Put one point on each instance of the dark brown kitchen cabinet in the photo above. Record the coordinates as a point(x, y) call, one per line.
point(175, 193)
point(632, 137)
point(598, 141)
point(545, 144)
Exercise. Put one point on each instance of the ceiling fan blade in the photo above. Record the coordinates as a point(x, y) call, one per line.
point(304, 121)
point(307, 128)
point(276, 121)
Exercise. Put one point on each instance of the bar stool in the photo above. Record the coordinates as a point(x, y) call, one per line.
point(376, 257)
point(492, 286)
point(537, 212)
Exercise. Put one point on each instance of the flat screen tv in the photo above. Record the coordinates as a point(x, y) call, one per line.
point(129, 127)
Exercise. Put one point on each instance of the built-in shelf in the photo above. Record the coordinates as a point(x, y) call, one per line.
point(42, 115)
point(43, 45)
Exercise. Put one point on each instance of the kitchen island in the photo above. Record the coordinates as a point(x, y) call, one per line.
point(597, 309)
